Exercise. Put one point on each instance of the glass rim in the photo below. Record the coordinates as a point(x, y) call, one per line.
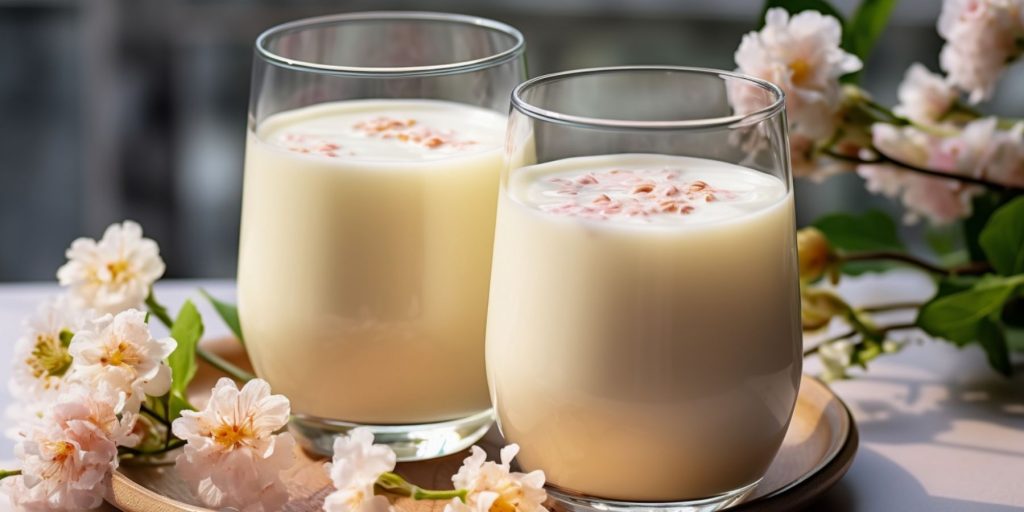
point(513, 52)
point(531, 110)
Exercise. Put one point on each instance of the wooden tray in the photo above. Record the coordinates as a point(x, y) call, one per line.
point(818, 449)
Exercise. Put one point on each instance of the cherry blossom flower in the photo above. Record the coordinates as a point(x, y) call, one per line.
point(66, 458)
point(41, 357)
point(925, 97)
point(355, 468)
point(800, 54)
point(940, 200)
point(233, 458)
point(492, 486)
point(119, 351)
point(982, 36)
point(115, 273)
point(1006, 161)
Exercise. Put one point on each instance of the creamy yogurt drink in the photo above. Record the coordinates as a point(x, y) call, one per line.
point(367, 228)
point(642, 339)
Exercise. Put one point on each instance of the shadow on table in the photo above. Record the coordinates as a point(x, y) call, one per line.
point(891, 488)
point(922, 412)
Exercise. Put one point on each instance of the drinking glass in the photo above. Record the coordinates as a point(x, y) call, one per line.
point(643, 337)
point(373, 155)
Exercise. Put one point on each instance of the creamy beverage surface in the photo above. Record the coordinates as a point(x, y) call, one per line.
point(643, 336)
point(365, 252)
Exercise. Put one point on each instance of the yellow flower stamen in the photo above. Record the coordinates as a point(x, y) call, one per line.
point(123, 354)
point(119, 271)
point(801, 69)
point(509, 495)
point(50, 358)
point(232, 436)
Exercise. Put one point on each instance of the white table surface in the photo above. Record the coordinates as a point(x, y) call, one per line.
point(939, 430)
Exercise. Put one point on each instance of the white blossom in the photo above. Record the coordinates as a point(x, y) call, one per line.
point(354, 469)
point(925, 97)
point(233, 458)
point(492, 486)
point(800, 54)
point(120, 352)
point(41, 357)
point(115, 273)
point(982, 37)
point(836, 356)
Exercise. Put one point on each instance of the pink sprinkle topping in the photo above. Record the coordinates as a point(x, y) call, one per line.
point(411, 132)
point(630, 193)
point(402, 131)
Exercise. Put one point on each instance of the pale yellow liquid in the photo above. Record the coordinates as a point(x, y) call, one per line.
point(363, 270)
point(647, 359)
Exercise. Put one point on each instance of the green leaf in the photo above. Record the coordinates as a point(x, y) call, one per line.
point(947, 243)
point(956, 316)
point(982, 207)
point(795, 6)
point(186, 330)
point(1002, 239)
point(1013, 313)
point(992, 340)
point(1015, 339)
point(177, 403)
point(228, 312)
point(872, 231)
point(157, 309)
point(867, 23)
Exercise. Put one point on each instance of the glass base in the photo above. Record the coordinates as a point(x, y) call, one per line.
point(571, 502)
point(410, 442)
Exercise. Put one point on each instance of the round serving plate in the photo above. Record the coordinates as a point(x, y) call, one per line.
point(818, 449)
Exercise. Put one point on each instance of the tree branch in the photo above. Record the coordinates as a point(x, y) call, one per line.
point(885, 159)
point(967, 269)
point(849, 334)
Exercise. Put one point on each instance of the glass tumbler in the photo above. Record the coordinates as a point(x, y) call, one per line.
point(373, 156)
point(643, 337)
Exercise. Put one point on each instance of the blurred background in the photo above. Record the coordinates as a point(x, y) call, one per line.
point(114, 109)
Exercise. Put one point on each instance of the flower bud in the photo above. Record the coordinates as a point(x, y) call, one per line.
point(814, 253)
point(818, 306)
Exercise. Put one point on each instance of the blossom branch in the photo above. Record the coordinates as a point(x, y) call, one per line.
point(880, 308)
point(972, 268)
point(169, 447)
point(152, 414)
point(885, 159)
point(851, 333)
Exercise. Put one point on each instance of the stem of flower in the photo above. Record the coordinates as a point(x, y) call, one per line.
point(849, 334)
point(972, 268)
point(879, 308)
point(214, 360)
point(148, 453)
point(397, 484)
point(152, 414)
point(223, 365)
point(6, 473)
point(885, 159)
point(158, 310)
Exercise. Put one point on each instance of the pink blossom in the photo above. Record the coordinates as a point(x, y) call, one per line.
point(924, 96)
point(800, 54)
point(233, 458)
point(66, 459)
point(982, 36)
